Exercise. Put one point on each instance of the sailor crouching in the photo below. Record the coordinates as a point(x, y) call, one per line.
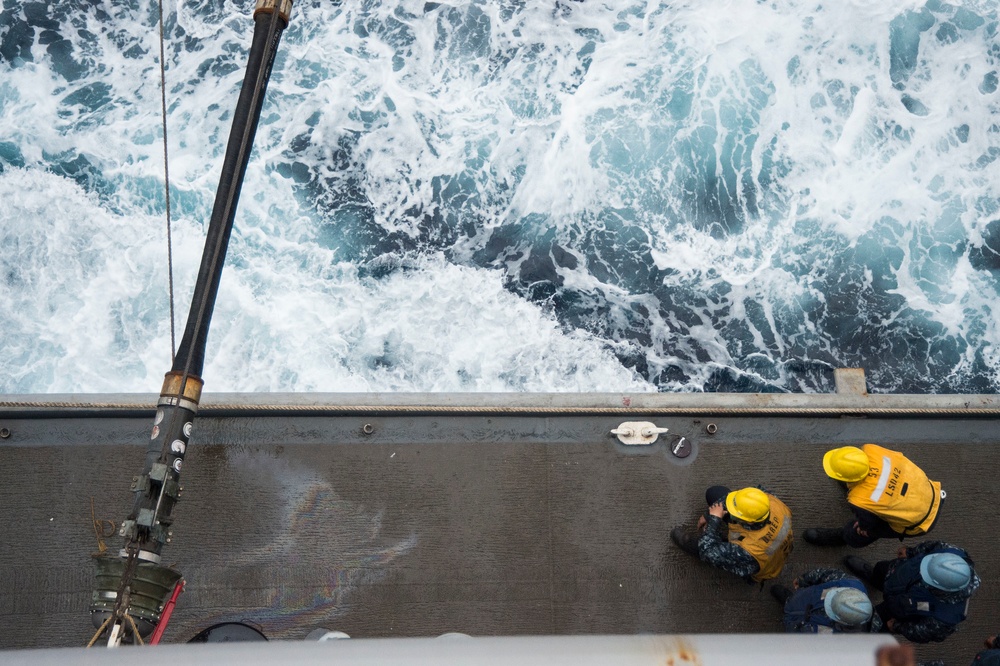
point(746, 532)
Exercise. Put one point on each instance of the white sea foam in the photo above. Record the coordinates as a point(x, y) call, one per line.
point(86, 309)
point(791, 173)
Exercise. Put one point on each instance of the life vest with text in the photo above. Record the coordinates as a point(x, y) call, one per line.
point(770, 544)
point(897, 491)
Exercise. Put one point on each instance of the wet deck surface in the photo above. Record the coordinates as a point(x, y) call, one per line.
point(487, 525)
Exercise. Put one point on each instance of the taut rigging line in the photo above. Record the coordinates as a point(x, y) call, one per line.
point(133, 588)
point(166, 185)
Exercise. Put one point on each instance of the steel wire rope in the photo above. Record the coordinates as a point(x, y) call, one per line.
point(218, 249)
point(166, 184)
point(120, 607)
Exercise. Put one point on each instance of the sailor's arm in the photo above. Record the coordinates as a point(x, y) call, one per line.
point(714, 548)
point(820, 576)
point(925, 547)
point(924, 630)
point(867, 522)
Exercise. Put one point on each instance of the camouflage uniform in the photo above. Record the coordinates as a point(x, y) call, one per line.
point(925, 629)
point(819, 577)
point(714, 547)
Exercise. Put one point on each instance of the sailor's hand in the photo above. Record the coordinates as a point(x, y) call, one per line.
point(702, 523)
point(718, 510)
point(901, 553)
point(895, 655)
point(857, 528)
point(795, 584)
point(891, 624)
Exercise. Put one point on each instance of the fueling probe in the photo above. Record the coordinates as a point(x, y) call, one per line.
point(134, 591)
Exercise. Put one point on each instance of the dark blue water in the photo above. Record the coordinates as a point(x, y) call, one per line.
point(546, 196)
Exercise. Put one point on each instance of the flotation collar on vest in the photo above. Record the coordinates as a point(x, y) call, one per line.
point(770, 544)
point(897, 491)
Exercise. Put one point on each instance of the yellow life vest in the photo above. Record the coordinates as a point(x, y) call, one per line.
point(769, 545)
point(897, 491)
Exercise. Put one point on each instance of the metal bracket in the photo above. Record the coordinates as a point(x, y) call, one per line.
point(158, 472)
point(637, 433)
point(146, 518)
point(850, 381)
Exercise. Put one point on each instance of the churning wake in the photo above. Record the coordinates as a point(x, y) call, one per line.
point(549, 195)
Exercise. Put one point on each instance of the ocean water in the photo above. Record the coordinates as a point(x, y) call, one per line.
point(501, 195)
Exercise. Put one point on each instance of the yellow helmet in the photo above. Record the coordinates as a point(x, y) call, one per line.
point(848, 463)
point(750, 505)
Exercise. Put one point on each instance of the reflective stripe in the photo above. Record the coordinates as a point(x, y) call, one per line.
point(779, 539)
point(879, 492)
point(883, 479)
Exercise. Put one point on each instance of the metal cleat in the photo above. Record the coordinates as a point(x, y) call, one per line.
point(638, 433)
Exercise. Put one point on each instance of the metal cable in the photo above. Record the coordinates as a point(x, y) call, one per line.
point(166, 186)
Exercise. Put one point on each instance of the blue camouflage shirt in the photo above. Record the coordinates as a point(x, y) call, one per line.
point(820, 576)
point(714, 547)
point(927, 629)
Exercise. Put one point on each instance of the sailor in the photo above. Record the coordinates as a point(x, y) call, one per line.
point(991, 655)
point(925, 590)
point(826, 601)
point(889, 496)
point(759, 535)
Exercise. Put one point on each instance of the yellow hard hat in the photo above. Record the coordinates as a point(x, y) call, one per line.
point(848, 463)
point(750, 505)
